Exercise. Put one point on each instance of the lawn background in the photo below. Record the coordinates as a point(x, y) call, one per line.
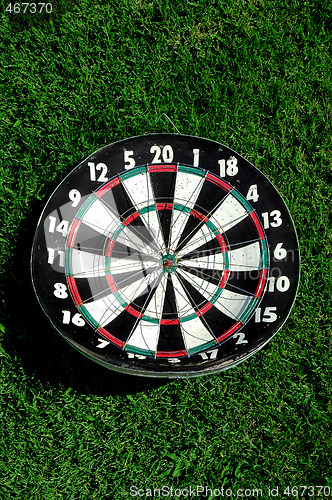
point(254, 75)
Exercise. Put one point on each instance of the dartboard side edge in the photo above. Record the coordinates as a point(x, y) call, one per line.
point(50, 250)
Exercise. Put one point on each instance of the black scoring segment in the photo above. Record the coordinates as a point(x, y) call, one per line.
point(209, 198)
point(90, 240)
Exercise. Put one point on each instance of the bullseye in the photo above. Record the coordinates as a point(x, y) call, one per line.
point(169, 263)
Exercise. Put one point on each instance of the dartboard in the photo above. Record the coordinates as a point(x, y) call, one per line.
point(166, 255)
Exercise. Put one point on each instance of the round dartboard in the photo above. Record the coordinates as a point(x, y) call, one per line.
point(166, 255)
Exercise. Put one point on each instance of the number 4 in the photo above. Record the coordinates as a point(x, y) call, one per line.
point(252, 194)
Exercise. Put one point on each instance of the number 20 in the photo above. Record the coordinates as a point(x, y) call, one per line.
point(166, 153)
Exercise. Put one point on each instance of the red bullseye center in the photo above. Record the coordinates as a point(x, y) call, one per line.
point(169, 263)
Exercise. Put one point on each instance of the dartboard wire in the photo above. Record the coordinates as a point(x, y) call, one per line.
point(229, 266)
point(224, 229)
point(214, 255)
point(211, 264)
point(102, 271)
point(139, 210)
point(132, 300)
point(231, 315)
point(206, 242)
point(204, 289)
point(197, 306)
point(186, 203)
point(202, 275)
point(230, 245)
point(117, 283)
point(93, 251)
point(201, 222)
point(128, 266)
point(132, 228)
point(183, 336)
point(157, 211)
point(143, 308)
point(94, 296)
point(146, 257)
point(106, 234)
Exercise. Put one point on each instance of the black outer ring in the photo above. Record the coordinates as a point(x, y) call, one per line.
point(256, 334)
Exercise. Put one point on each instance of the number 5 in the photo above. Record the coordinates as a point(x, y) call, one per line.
point(129, 161)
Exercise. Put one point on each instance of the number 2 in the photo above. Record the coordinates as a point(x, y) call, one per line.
point(241, 338)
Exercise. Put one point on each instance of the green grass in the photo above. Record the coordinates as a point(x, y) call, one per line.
point(253, 75)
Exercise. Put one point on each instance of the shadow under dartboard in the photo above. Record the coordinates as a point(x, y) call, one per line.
point(31, 339)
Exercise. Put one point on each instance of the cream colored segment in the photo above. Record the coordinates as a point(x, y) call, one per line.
point(145, 336)
point(214, 261)
point(232, 304)
point(130, 264)
point(102, 220)
point(132, 240)
point(99, 218)
point(229, 213)
point(154, 309)
point(183, 304)
point(139, 287)
point(187, 189)
point(180, 220)
point(204, 287)
point(140, 191)
point(104, 310)
point(86, 264)
point(246, 258)
point(194, 332)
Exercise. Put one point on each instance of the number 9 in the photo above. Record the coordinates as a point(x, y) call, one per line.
point(75, 197)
